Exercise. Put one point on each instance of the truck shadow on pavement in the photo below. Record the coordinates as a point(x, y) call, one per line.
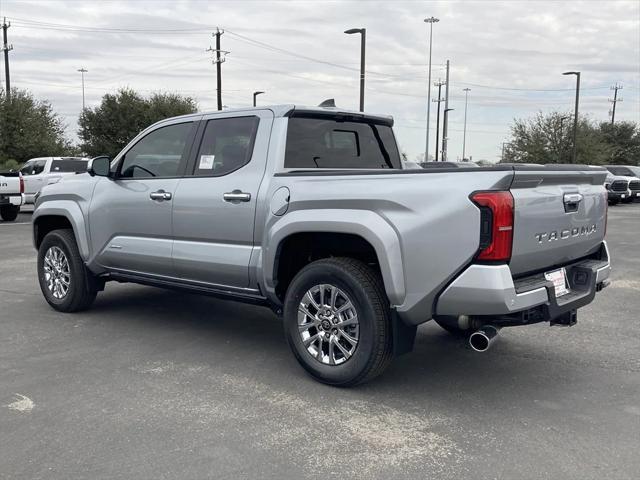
point(201, 329)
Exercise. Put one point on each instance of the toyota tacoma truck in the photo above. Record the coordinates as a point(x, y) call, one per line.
point(308, 211)
point(11, 195)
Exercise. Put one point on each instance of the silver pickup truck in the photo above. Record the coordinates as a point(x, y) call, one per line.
point(309, 211)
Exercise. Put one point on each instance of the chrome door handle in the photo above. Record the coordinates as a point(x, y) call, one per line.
point(160, 195)
point(236, 196)
point(572, 198)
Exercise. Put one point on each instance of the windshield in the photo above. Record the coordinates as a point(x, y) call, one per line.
point(624, 171)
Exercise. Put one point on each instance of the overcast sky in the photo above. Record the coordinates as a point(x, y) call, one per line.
point(510, 54)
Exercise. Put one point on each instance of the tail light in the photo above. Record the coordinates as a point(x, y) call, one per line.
point(21, 184)
point(496, 225)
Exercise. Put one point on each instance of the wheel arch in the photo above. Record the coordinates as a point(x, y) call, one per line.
point(353, 228)
point(61, 214)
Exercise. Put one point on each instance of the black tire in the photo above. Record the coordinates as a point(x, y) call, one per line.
point(9, 212)
point(365, 289)
point(613, 202)
point(83, 286)
point(627, 200)
point(451, 325)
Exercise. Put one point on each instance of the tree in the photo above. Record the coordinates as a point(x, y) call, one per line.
point(623, 138)
point(28, 128)
point(549, 139)
point(106, 129)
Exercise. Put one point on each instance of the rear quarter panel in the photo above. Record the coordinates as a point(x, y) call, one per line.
point(434, 225)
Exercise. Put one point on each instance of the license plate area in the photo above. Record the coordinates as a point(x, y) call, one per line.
point(559, 280)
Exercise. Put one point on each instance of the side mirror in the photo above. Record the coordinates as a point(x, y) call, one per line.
point(100, 166)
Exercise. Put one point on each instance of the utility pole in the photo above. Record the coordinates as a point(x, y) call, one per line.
point(6, 48)
point(363, 42)
point(615, 100)
point(575, 119)
point(430, 21)
point(464, 135)
point(445, 122)
point(218, 61)
point(82, 72)
point(438, 100)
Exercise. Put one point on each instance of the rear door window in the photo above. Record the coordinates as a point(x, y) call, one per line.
point(68, 165)
point(227, 145)
point(331, 143)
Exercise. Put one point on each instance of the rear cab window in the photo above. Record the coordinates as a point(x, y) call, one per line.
point(340, 142)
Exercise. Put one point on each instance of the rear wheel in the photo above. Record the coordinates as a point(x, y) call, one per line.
point(337, 321)
point(9, 212)
point(65, 282)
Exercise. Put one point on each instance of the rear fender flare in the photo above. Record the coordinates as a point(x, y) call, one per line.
point(366, 224)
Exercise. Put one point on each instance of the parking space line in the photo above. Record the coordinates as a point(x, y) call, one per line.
point(14, 223)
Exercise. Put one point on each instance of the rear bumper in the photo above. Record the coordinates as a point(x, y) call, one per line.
point(15, 200)
point(491, 290)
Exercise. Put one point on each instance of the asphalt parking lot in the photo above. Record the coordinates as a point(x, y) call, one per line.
point(151, 384)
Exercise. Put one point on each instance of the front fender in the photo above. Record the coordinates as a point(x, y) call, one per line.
point(72, 212)
point(366, 224)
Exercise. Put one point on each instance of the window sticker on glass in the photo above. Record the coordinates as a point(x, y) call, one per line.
point(206, 162)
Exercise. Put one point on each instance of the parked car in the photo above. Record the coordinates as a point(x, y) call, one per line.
point(11, 195)
point(309, 211)
point(632, 173)
point(42, 171)
point(618, 189)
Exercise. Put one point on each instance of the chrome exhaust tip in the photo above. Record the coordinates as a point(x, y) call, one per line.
point(481, 339)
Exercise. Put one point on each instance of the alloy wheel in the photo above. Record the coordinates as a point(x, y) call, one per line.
point(328, 324)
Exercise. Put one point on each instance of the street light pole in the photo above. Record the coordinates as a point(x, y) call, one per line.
point(363, 42)
point(82, 72)
point(464, 135)
point(575, 119)
point(439, 100)
point(430, 21)
point(255, 94)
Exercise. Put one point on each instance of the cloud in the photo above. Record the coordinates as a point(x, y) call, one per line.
point(495, 48)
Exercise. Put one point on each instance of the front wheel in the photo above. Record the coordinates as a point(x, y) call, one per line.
point(65, 282)
point(337, 321)
point(9, 212)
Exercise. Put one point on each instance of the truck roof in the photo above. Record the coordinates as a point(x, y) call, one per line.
point(287, 110)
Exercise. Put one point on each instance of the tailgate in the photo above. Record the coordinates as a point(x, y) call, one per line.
point(560, 215)
point(10, 183)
